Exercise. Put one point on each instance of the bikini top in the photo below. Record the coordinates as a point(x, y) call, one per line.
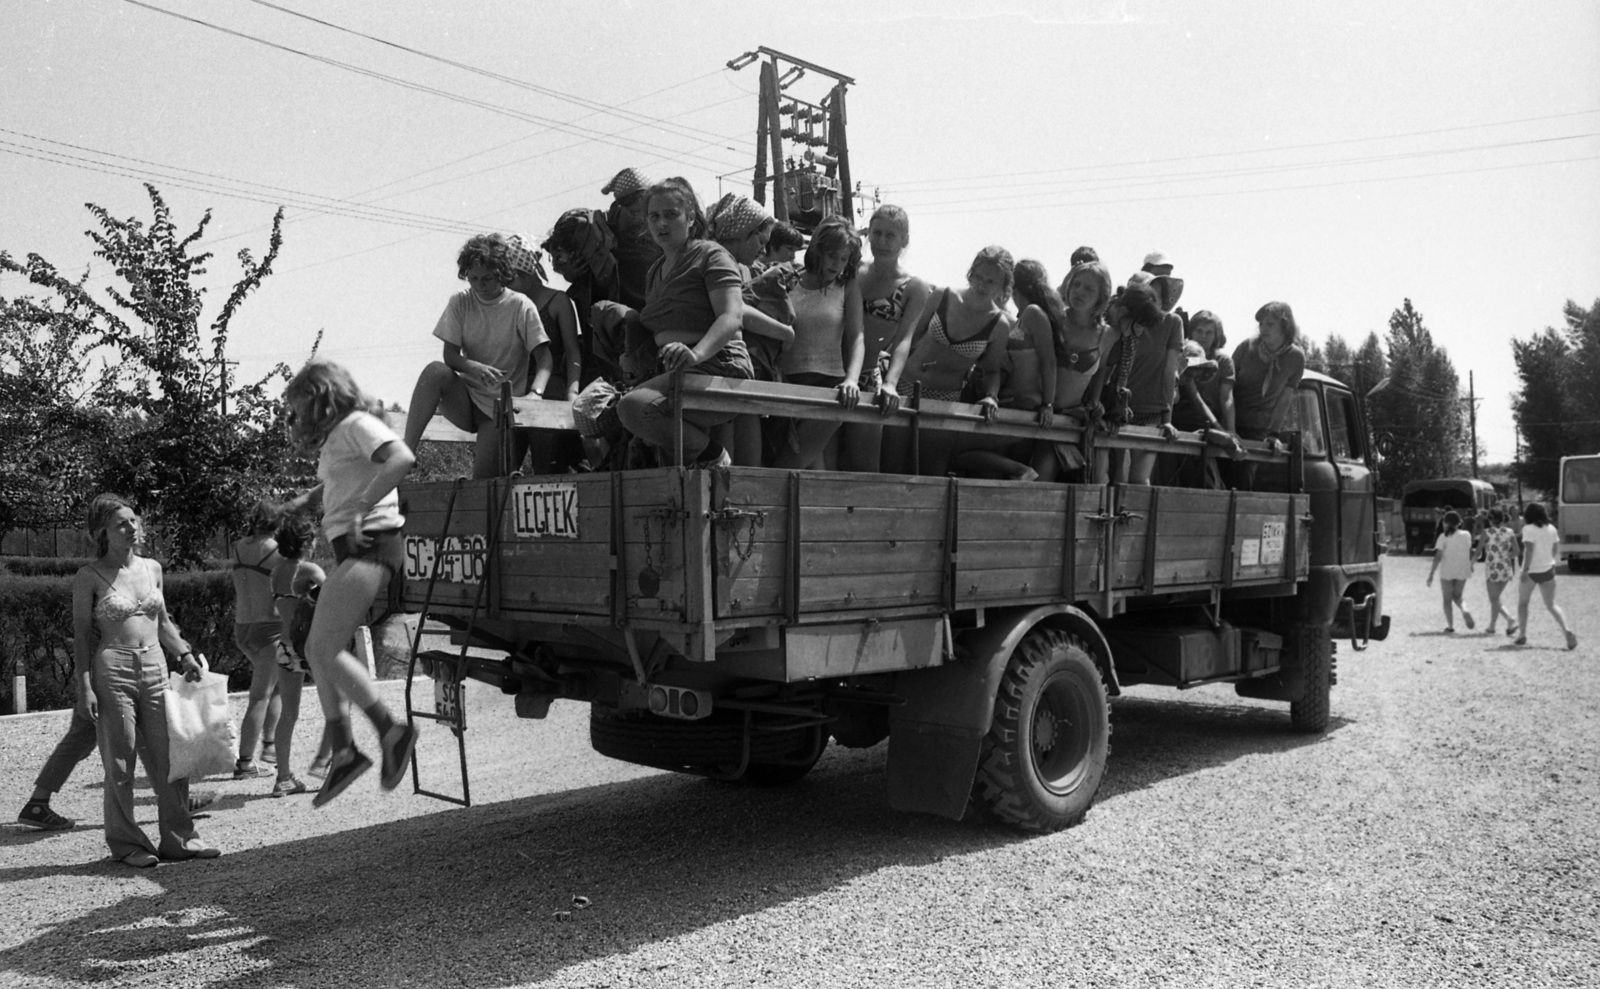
point(889, 310)
point(116, 606)
point(260, 566)
point(1083, 360)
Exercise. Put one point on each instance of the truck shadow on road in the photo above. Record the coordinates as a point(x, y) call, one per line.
point(485, 896)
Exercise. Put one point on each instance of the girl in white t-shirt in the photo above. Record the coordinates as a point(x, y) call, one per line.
point(1452, 561)
point(360, 460)
point(1540, 543)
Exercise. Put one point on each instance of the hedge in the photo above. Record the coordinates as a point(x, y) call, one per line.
point(36, 630)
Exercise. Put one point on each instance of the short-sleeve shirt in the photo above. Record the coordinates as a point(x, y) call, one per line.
point(1544, 539)
point(345, 468)
point(1258, 385)
point(1455, 554)
point(679, 298)
point(502, 334)
point(1500, 549)
point(1147, 384)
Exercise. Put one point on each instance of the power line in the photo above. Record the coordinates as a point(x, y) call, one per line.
point(1247, 192)
point(1265, 169)
point(599, 136)
point(584, 102)
point(1252, 151)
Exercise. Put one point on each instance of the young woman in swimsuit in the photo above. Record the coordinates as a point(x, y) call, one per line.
point(892, 300)
point(1029, 378)
point(295, 583)
point(360, 460)
point(965, 327)
point(120, 627)
point(255, 633)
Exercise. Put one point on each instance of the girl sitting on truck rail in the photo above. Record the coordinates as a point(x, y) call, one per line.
point(1080, 353)
point(692, 314)
point(1145, 361)
point(965, 327)
point(1268, 369)
point(490, 333)
point(360, 460)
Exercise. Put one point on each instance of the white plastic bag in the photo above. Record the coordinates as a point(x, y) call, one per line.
point(200, 737)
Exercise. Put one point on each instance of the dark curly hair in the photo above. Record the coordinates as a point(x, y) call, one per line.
point(295, 536)
point(492, 251)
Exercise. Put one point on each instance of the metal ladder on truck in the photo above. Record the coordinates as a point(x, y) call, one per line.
point(448, 668)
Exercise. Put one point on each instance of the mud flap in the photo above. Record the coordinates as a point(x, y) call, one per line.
point(931, 769)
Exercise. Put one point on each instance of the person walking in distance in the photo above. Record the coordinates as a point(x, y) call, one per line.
point(1452, 561)
point(255, 633)
point(360, 460)
point(1539, 544)
point(1500, 551)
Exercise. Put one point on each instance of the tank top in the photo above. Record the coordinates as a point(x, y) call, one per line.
point(818, 332)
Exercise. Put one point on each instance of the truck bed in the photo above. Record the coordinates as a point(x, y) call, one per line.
point(698, 555)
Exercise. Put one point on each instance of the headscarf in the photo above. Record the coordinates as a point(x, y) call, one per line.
point(735, 217)
point(524, 258)
point(627, 181)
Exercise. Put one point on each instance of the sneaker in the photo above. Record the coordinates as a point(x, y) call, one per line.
point(288, 787)
point(200, 801)
point(269, 753)
point(192, 849)
point(245, 769)
point(140, 859)
point(398, 744)
point(37, 814)
point(340, 775)
point(318, 770)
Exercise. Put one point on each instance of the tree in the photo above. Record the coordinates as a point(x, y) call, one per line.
point(187, 462)
point(1419, 408)
point(1557, 407)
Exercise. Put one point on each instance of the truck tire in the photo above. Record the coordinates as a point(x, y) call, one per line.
point(692, 746)
point(1045, 753)
point(802, 760)
point(1314, 644)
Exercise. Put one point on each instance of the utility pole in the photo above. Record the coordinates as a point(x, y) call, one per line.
point(222, 375)
point(1472, 417)
point(815, 185)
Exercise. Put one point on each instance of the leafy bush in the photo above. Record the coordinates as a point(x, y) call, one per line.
point(36, 631)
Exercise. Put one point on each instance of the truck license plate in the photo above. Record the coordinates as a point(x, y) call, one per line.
point(461, 563)
point(447, 697)
point(545, 511)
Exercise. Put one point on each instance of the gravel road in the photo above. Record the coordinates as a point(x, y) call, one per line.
point(1444, 833)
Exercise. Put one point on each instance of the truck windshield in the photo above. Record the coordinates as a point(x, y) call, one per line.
point(1580, 481)
point(1304, 415)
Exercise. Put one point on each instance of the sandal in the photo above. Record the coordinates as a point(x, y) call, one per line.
point(288, 786)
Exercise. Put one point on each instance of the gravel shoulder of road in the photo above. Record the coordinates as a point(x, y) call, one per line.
point(1444, 832)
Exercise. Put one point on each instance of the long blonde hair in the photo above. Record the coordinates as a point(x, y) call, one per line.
point(328, 394)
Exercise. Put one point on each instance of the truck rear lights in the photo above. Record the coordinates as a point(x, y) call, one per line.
point(679, 702)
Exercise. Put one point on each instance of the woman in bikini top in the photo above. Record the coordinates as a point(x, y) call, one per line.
point(891, 297)
point(950, 340)
point(1084, 340)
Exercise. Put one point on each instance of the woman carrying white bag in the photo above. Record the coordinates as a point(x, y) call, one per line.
point(119, 628)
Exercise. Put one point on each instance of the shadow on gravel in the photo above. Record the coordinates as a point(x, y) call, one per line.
point(484, 896)
point(1158, 739)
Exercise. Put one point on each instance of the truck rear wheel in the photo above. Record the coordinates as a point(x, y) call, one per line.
point(1045, 753)
point(1315, 648)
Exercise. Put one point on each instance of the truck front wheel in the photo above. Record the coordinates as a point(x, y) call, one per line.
point(1045, 753)
point(1315, 649)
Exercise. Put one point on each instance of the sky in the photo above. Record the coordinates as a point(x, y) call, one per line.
point(1340, 157)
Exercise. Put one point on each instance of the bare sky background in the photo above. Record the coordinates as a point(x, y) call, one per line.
point(1339, 156)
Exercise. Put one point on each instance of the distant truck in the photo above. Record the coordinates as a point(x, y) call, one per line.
point(730, 622)
point(1424, 503)
point(1578, 512)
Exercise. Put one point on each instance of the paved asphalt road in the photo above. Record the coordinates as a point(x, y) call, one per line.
point(1444, 832)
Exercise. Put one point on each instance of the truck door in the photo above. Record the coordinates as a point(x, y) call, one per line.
point(1357, 527)
point(1321, 483)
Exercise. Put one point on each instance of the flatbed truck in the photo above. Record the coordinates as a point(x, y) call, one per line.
point(732, 622)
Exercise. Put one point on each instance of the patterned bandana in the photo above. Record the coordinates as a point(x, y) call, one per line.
point(736, 217)
point(626, 181)
point(529, 260)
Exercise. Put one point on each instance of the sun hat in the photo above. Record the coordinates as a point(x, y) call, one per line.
point(1157, 264)
point(1168, 289)
point(629, 180)
point(1195, 360)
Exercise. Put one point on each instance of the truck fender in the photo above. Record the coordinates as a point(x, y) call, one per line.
point(936, 735)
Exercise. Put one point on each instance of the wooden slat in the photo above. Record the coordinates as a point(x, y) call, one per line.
point(821, 560)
